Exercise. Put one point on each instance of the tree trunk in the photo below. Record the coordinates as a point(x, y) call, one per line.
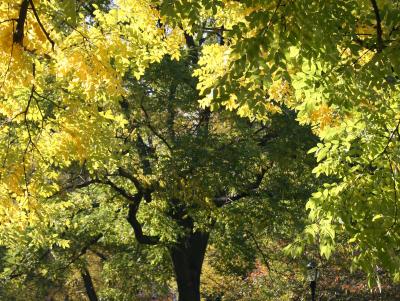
point(87, 280)
point(187, 257)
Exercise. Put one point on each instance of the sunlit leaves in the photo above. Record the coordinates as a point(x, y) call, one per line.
point(62, 86)
point(330, 63)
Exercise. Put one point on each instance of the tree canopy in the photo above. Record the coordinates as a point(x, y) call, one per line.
point(156, 119)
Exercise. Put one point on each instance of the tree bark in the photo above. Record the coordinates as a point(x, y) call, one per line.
point(187, 257)
point(19, 32)
point(87, 279)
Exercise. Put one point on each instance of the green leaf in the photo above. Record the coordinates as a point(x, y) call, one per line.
point(69, 10)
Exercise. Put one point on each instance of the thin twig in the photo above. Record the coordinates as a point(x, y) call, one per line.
point(9, 20)
point(274, 13)
point(154, 131)
point(389, 140)
point(263, 255)
point(395, 194)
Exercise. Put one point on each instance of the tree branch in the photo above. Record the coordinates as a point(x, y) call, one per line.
point(249, 191)
point(190, 43)
point(378, 26)
point(134, 198)
point(137, 227)
point(388, 143)
point(171, 111)
point(394, 193)
point(18, 36)
point(134, 202)
point(76, 186)
point(202, 127)
point(260, 250)
point(126, 174)
point(41, 25)
point(82, 252)
point(89, 287)
point(153, 130)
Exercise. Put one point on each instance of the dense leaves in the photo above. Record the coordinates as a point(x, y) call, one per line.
point(336, 64)
point(170, 120)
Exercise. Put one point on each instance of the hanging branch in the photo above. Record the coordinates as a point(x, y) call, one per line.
point(41, 25)
point(262, 253)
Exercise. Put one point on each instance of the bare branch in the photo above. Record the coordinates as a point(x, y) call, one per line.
point(9, 20)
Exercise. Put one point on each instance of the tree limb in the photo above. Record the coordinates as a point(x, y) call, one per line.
point(83, 250)
point(18, 36)
point(41, 25)
point(75, 186)
point(133, 199)
point(89, 287)
point(379, 31)
point(134, 202)
point(153, 130)
point(260, 250)
point(126, 174)
point(193, 52)
point(249, 191)
point(137, 227)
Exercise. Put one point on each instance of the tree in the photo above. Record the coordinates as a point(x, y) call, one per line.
point(94, 131)
point(77, 113)
point(336, 65)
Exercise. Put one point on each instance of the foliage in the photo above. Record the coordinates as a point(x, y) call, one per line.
point(100, 120)
point(336, 64)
